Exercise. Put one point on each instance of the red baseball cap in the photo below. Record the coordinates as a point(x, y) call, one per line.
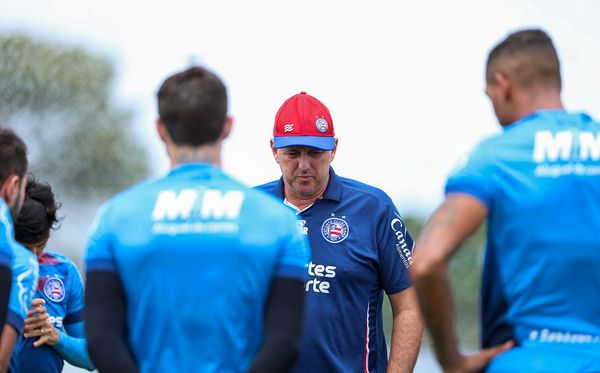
point(303, 120)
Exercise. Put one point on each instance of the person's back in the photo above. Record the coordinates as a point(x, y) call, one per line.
point(538, 185)
point(543, 252)
point(199, 272)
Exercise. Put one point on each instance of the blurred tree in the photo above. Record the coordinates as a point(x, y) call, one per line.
point(58, 98)
point(465, 273)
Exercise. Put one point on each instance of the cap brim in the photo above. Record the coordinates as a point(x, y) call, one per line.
point(319, 142)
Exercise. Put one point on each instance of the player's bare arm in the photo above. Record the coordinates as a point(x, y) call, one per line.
point(458, 217)
point(407, 331)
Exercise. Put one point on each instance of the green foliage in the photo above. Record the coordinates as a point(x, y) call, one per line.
point(58, 98)
point(465, 268)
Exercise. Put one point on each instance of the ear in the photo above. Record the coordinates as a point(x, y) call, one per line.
point(335, 145)
point(162, 131)
point(275, 155)
point(10, 190)
point(504, 85)
point(226, 128)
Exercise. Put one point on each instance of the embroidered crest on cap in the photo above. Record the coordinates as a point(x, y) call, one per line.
point(335, 230)
point(288, 127)
point(322, 124)
point(54, 289)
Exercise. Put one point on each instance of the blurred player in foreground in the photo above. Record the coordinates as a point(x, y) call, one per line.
point(194, 272)
point(24, 268)
point(360, 248)
point(54, 328)
point(538, 185)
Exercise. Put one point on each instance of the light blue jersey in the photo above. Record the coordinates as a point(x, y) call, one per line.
point(6, 235)
point(540, 180)
point(24, 284)
point(60, 285)
point(197, 253)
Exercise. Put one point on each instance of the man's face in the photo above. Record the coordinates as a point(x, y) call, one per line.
point(305, 170)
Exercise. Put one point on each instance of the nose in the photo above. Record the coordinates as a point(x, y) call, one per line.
point(304, 162)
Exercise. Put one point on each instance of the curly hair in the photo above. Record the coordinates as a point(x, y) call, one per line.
point(38, 214)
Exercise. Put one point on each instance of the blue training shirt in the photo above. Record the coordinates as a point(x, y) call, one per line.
point(197, 253)
point(360, 248)
point(6, 235)
point(540, 180)
point(60, 285)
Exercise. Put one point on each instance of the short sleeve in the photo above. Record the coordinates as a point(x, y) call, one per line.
point(295, 251)
point(99, 255)
point(472, 177)
point(75, 301)
point(395, 247)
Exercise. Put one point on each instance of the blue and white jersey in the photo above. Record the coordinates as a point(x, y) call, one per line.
point(197, 253)
point(60, 285)
point(360, 248)
point(24, 284)
point(540, 180)
point(6, 235)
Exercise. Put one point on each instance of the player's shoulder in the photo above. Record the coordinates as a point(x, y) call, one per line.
point(269, 188)
point(369, 192)
point(54, 257)
point(23, 257)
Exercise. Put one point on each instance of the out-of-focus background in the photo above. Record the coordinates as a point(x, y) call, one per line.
point(403, 81)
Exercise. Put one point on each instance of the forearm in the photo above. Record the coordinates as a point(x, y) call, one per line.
point(105, 326)
point(435, 297)
point(74, 351)
point(407, 333)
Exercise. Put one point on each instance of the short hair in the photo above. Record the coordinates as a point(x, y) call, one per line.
point(38, 214)
point(528, 57)
point(192, 104)
point(13, 155)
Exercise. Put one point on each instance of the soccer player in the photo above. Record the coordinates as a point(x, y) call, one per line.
point(360, 248)
point(538, 186)
point(194, 272)
point(54, 328)
point(24, 267)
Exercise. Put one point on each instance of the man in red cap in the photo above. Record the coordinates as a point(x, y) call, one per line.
point(360, 248)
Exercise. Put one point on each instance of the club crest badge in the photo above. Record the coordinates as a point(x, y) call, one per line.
point(322, 125)
point(54, 289)
point(335, 230)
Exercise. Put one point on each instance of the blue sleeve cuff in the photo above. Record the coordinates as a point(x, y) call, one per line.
point(295, 272)
point(15, 320)
point(74, 317)
point(101, 265)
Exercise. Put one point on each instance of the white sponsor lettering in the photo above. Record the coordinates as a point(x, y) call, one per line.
point(549, 148)
point(402, 246)
point(550, 336)
point(589, 146)
point(302, 228)
point(213, 204)
point(56, 321)
point(319, 271)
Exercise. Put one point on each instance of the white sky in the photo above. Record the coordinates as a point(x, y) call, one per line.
point(402, 79)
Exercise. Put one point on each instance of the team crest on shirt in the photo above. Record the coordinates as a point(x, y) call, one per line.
point(322, 124)
point(335, 230)
point(54, 289)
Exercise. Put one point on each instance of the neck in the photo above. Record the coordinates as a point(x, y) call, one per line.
point(180, 155)
point(541, 100)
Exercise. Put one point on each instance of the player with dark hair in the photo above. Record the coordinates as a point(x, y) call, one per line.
point(20, 280)
point(538, 186)
point(361, 249)
point(54, 328)
point(194, 272)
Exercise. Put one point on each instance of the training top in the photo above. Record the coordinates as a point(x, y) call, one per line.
point(6, 235)
point(197, 253)
point(540, 181)
point(360, 248)
point(60, 285)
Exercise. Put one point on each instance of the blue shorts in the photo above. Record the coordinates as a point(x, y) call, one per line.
point(546, 359)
